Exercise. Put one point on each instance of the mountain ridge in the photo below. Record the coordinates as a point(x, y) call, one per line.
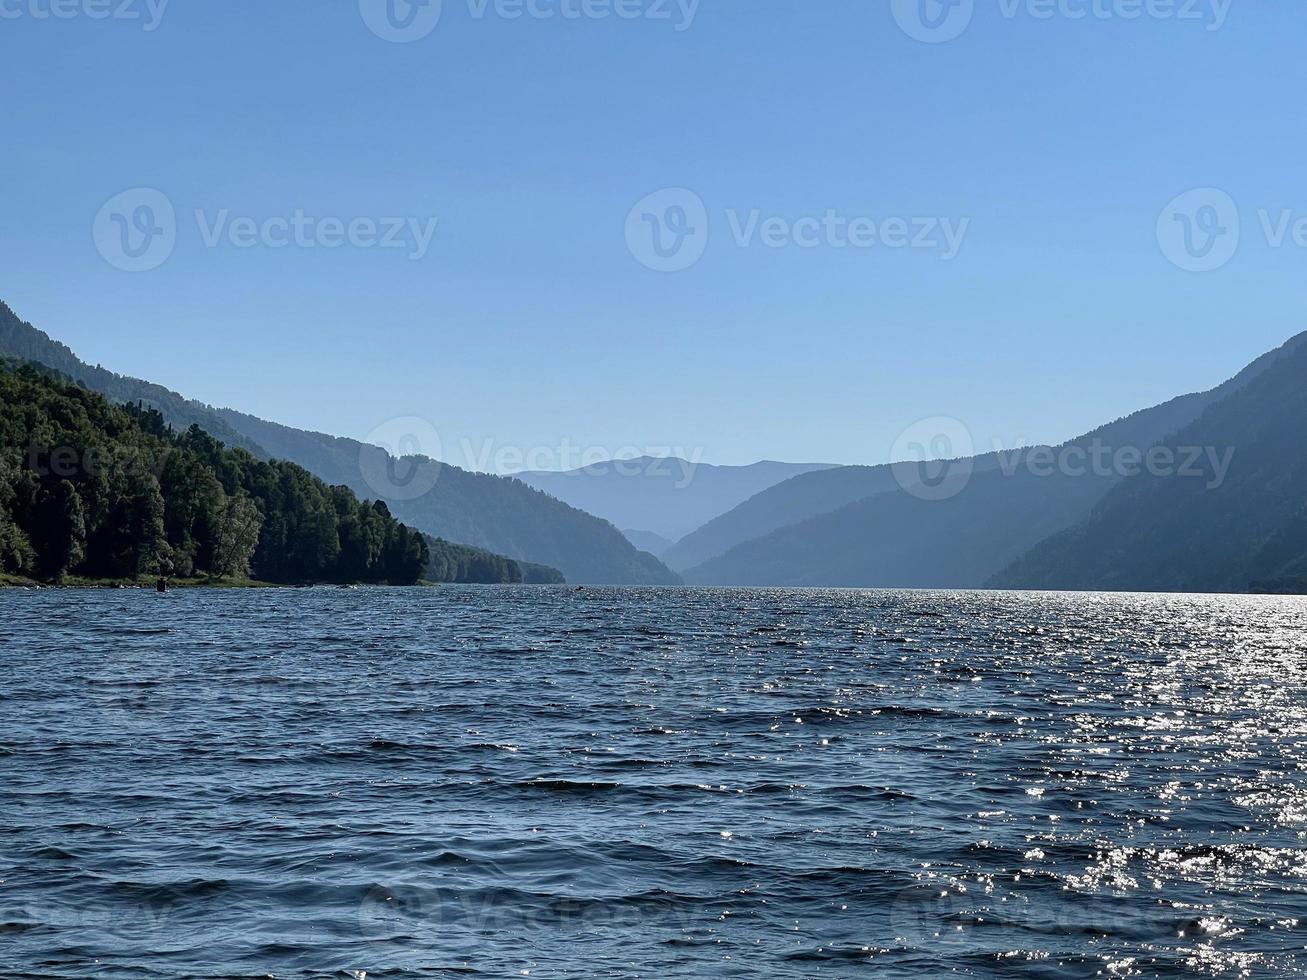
point(1232, 531)
point(526, 525)
point(669, 496)
point(963, 541)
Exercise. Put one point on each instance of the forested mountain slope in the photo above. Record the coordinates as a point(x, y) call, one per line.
point(94, 489)
point(488, 512)
point(496, 513)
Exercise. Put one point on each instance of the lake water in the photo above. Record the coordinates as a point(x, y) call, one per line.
point(486, 782)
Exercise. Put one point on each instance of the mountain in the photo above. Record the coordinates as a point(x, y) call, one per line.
point(798, 498)
point(823, 492)
point(1213, 531)
point(111, 492)
point(493, 513)
point(655, 544)
point(496, 513)
point(666, 496)
point(23, 342)
point(894, 538)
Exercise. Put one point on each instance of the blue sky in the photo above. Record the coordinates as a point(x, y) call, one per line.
point(1054, 141)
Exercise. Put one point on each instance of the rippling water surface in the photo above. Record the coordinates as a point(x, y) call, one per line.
point(641, 783)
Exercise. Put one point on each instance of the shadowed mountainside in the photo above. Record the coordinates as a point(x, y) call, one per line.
point(1208, 532)
point(655, 544)
point(895, 539)
point(497, 513)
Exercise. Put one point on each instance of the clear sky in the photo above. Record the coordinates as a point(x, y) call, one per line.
point(1050, 143)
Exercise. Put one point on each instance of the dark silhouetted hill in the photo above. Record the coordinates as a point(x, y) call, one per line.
point(1155, 532)
point(895, 539)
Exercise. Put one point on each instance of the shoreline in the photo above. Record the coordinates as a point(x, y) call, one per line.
point(18, 582)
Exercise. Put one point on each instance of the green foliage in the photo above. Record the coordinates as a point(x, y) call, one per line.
point(490, 512)
point(24, 342)
point(498, 514)
point(94, 490)
point(533, 574)
point(459, 563)
point(236, 538)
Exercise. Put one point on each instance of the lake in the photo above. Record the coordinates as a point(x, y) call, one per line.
point(511, 782)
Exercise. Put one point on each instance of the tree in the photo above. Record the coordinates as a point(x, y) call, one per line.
point(61, 529)
point(237, 536)
point(111, 491)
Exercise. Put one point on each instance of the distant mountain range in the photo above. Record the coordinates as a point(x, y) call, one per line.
point(655, 544)
point(1220, 505)
point(663, 496)
point(493, 513)
point(1217, 531)
point(855, 526)
point(500, 514)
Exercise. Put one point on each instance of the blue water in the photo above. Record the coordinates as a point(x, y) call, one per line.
point(482, 782)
